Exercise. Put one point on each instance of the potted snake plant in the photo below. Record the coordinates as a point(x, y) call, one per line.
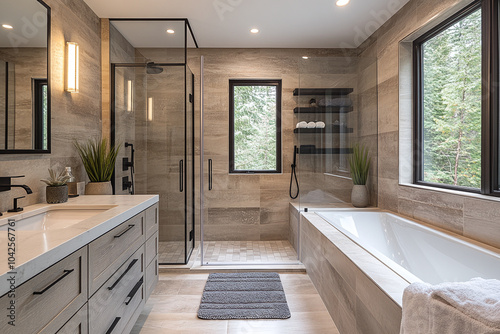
point(359, 165)
point(99, 162)
point(57, 189)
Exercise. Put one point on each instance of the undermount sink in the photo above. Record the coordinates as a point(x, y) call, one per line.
point(55, 218)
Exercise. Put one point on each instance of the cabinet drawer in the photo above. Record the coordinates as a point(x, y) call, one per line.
point(78, 324)
point(151, 248)
point(51, 297)
point(151, 277)
point(119, 296)
point(124, 320)
point(151, 220)
point(108, 252)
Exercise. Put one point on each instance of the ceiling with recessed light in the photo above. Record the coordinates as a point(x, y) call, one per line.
point(281, 23)
point(28, 21)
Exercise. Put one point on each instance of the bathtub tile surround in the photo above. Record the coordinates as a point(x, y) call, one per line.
point(361, 294)
point(71, 113)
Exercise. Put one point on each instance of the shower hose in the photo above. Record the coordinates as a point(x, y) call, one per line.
point(294, 175)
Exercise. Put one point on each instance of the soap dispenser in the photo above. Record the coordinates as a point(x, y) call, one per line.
point(72, 187)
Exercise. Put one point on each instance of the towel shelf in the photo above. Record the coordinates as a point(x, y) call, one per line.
point(332, 92)
point(330, 129)
point(306, 150)
point(322, 110)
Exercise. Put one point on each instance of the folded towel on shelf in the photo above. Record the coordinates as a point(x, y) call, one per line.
point(320, 125)
point(311, 125)
point(302, 124)
point(466, 307)
point(335, 102)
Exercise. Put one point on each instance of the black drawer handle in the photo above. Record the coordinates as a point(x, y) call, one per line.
point(133, 292)
point(66, 273)
point(210, 177)
point(113, 325)
point(126, 230)
point(181, 175)
point(124, 273)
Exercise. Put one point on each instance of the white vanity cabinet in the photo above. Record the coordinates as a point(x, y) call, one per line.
point(100, 288)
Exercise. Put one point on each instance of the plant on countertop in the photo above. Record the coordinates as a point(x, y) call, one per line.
point(98, 159)
point(56, 180)
point(359, 164)
point(57, 189)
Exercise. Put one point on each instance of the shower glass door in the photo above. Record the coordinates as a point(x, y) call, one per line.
point(151, 113)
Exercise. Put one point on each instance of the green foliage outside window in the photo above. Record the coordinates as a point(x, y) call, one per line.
point(452, 104)
point(255, 128)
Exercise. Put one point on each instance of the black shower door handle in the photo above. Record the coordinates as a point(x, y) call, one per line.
point(181, 175)
point(210, 179)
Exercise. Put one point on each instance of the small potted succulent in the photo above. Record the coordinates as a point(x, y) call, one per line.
point(359, 164)
point(57, 189)
point(99, 162)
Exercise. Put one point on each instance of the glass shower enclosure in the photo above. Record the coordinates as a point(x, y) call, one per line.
point(152, 116)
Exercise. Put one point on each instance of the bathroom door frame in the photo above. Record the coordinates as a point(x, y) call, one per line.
point(187, 234)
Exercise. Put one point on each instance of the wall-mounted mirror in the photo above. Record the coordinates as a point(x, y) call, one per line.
point(24, 77)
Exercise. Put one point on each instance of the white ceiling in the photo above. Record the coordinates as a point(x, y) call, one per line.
point(282, 23)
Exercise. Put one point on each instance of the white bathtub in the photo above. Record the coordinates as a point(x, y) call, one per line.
point(414, 251)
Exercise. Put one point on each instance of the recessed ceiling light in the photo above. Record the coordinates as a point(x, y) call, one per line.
point(305, 57)
point(342, 3)
point(170, 31)
point(254, 30)
point(7, 26)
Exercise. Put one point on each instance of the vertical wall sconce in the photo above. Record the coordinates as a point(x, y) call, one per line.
point(150, 109)
point(130, 96)
point(72, 67)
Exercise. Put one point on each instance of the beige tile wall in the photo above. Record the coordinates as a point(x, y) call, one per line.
point(475, 218)
point(73, 115)
point(256, 204)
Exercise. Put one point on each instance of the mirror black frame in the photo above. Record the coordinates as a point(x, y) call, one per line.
point(49, 105)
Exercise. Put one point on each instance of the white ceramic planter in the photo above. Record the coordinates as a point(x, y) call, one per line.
point(99, 188)
point(360, 198)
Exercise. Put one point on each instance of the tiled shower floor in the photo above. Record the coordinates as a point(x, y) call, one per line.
point(227, 252)
point(171, 252)
point(280, 251)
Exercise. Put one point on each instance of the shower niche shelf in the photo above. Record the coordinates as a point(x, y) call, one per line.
point(334, 129)
point(331, 92)
point(316, 150)
point(322, 110)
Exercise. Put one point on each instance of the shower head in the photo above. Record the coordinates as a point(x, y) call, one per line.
point(152, 69)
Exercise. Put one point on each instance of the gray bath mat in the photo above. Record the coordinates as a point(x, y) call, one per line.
point(243, 296)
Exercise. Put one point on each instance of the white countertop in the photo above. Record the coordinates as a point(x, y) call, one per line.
point(38, 250)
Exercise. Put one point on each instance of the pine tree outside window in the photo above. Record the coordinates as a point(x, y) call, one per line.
point(255, 126)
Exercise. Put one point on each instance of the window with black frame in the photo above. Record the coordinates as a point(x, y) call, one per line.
point(448, 108)
point(255, 126)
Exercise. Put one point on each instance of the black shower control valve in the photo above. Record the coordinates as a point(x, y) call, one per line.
point(126, 184)
point(127, 164)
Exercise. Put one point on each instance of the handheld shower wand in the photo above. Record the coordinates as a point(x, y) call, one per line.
point(294, 174)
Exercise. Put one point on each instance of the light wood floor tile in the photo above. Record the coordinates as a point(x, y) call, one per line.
point(173, 307)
